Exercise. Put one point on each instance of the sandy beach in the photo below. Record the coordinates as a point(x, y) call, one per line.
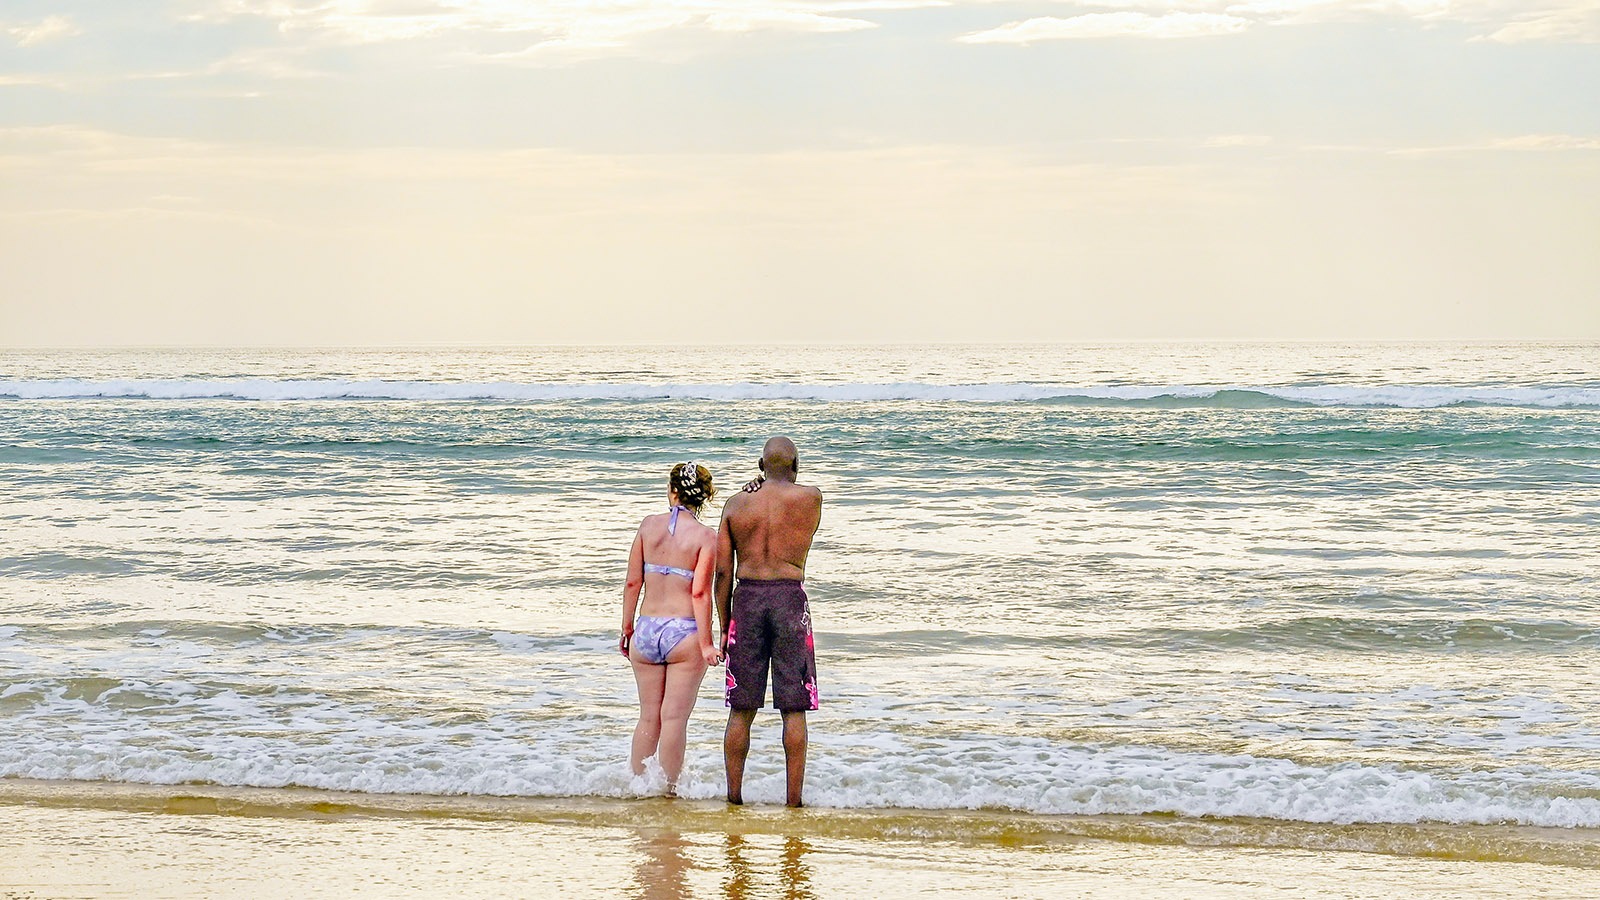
point(87, 840)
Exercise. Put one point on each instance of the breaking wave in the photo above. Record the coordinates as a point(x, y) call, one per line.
point(1401, 396)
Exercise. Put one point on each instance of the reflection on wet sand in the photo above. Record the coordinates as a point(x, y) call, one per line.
point(663, 868)
point(737, 886)
point(744, 880)
point(796, 877)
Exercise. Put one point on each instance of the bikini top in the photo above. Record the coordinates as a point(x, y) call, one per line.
point(672, 528)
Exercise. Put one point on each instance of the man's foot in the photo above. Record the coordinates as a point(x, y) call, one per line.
point(736, 800)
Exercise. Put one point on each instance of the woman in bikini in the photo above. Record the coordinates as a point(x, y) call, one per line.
point(672, 561)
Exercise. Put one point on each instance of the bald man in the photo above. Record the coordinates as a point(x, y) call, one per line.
point(766, 622)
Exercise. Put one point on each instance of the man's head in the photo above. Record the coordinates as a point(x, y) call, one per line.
point(780, 459)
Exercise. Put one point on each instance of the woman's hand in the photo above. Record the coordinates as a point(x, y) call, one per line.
point(711, 654)
point(627, 639)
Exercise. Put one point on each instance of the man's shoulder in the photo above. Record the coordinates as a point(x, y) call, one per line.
point(734, 504)
point(805, 493)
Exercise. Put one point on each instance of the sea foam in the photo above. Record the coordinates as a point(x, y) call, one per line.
point(251, 742)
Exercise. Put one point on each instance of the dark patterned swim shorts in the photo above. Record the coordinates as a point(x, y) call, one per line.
point(769, 622)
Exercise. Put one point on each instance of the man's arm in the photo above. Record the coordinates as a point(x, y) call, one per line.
point(724, 584)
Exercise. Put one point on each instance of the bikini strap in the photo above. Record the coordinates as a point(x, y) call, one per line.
point(672, 523)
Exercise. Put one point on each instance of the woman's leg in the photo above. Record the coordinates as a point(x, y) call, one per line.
point(686, 668)
point(652, 680)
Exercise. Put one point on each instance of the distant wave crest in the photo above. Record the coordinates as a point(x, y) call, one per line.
point(1401, 396)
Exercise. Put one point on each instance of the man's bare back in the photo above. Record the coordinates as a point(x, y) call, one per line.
point(770, 529)
point(764, 539)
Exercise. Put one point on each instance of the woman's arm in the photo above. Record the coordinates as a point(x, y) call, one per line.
point(705, 564)
point(631, 589)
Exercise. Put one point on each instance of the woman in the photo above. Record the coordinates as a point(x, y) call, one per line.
point(672, 560)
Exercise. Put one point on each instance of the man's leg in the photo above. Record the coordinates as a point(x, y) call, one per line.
point(794, 753)
point(735, 747)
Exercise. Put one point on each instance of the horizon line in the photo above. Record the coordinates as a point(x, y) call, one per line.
point(497, 345)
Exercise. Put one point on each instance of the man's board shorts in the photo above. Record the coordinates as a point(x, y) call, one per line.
point(769, 623)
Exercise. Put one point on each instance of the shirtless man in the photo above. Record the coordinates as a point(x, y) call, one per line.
point(765, 535)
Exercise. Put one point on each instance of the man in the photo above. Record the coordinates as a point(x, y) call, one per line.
point(765, 535)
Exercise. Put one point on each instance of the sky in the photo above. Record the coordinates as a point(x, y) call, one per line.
point(371, 172)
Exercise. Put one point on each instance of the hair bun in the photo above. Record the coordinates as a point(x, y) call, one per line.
point(692, 481)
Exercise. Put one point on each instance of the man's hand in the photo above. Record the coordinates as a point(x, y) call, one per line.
point(754, 484)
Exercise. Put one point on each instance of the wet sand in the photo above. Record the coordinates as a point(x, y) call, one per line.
point(75, 840)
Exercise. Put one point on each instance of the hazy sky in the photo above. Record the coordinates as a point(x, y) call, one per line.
point(382, 171)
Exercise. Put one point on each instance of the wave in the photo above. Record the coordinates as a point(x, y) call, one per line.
point(1399, 396)
point(1312, 633)
point(1336, 633)
point(883, 771)
point(525, 735)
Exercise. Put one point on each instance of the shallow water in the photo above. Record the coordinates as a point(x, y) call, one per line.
point(112, 842)
point(1312, 585)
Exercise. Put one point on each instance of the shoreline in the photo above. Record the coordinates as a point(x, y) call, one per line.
point(982, 828)
point(101, 840)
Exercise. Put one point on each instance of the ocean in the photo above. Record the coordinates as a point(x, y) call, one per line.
point(1317, 596)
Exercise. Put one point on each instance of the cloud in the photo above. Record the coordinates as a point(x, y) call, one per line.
point(1569, 26)
point(1305, 11)
point(43, 31)
point(1523, 143)
point(1548, 142)
point(1109, 25)
point(564, 23)
point(1503, 21)
point(790, 20)
point(1237, 140)
point(22, 80)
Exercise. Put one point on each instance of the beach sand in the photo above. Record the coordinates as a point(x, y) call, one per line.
point(103, 840)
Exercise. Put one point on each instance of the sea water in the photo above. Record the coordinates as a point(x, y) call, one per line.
point(1308, 585)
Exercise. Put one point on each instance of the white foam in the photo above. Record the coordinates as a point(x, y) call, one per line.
point(235, 739)
point(1406, 396)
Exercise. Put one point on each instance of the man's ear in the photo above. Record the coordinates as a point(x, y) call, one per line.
point(797, 465)
point(761, 466)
